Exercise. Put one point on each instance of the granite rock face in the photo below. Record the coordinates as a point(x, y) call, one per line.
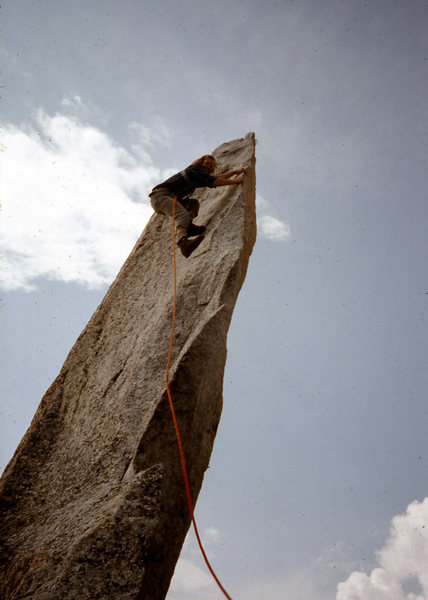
point(93, 503)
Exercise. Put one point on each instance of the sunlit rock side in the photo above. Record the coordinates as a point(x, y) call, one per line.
point(93, 503)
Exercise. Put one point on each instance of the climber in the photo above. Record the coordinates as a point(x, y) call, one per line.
point(181, 185)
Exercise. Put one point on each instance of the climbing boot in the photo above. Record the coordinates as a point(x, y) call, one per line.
point(187, 246)
point(195, 230)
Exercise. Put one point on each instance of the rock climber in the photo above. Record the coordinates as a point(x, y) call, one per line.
point(182, 185)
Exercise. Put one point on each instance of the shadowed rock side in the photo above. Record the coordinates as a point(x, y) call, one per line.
point(93, 502)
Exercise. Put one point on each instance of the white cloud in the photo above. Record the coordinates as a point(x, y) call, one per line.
point(74, 202)
point(274, 229)
point(270, 227)
point(192, 578)
point(403, 559)
point(212, 535)
point(157, 134)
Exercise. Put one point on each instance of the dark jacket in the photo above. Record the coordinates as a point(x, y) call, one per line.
point(185, 182)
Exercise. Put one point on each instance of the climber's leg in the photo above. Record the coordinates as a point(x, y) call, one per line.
point(162, 201)
point(187, 246)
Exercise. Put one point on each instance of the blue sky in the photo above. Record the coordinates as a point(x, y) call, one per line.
point(318, 477)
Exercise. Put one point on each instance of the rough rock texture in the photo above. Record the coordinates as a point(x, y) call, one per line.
point(93, 503)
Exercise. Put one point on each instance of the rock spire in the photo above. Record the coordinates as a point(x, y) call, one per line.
point(93, 503)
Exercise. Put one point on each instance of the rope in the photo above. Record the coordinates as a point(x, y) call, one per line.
point(174, 418)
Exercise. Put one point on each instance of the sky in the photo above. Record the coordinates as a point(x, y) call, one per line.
point(317, 487)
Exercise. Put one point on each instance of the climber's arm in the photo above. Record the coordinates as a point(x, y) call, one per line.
point(224, 178)
point(231, 173)
point(220, 180)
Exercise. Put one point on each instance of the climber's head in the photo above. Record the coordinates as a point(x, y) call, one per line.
point(206, 162)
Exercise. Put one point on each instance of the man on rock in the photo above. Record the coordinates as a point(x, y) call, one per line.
point(182, 185)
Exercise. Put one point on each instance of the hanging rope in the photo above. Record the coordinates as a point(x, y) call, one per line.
point(174, 418)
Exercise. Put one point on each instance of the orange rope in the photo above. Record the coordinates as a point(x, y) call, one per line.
point(174, 418)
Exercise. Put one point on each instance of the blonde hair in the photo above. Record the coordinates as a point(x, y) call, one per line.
point(199, 161)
